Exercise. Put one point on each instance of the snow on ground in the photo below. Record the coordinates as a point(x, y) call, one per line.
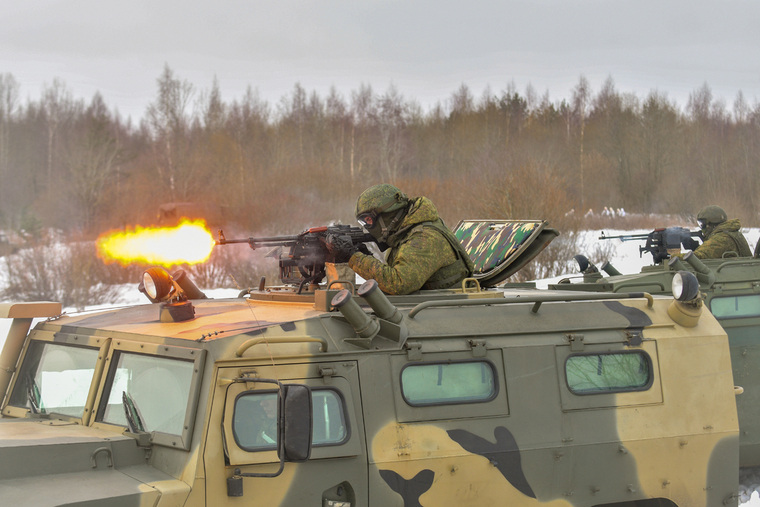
point(624, 257)
point(749, 488)
point(753, 501)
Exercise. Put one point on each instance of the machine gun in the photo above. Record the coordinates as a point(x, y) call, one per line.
point(304, 262)
point(659, 241)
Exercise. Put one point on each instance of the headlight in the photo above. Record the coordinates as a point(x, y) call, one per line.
point(685, 286)
point(158, 283)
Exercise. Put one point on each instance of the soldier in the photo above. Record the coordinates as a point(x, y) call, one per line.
point(422, 254)
point(256, 421)
point(720, 235)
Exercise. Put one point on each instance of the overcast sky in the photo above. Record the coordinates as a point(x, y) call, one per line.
point(426, 48)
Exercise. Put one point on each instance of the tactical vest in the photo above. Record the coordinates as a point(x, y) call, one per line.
point(454, 272)
point(742, 248)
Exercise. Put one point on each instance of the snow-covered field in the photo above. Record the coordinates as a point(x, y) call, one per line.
point(624, 256)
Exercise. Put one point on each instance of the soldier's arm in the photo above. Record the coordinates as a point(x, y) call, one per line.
point(417, 259)
point(714, 247)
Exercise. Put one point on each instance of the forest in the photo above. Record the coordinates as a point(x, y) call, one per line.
point(76, 166)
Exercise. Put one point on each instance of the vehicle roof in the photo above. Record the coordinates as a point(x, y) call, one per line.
point(234, 323)
point(214, 318)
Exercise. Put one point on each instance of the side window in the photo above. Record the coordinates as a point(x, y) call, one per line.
point(448, 383)
point(330, 426)
point(254, 424)
point(608, 372)
point(727, 307)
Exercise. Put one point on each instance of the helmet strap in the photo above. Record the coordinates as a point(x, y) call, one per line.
point(387, 229)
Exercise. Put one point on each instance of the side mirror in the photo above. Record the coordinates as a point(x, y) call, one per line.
point(297, 417)
point(294, 422)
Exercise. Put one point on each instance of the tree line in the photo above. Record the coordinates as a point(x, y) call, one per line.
point(76, 165)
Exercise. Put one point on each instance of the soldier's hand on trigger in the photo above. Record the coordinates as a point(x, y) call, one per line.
point(659, 257)
point(340, 248)
point(690, 244)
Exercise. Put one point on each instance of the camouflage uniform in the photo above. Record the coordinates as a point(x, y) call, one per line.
point(424, 254)
point(725, 237)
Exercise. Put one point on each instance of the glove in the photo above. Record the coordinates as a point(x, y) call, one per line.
point(660, 256)
point(690, 243)
point(363, 249)
point(339, 248)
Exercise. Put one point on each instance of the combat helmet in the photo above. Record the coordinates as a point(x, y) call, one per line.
point(375, 208)
point(711, 215)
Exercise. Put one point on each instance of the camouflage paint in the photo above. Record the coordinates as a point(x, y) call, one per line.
point(486, 248)
point(726, 278)
point(535, 444)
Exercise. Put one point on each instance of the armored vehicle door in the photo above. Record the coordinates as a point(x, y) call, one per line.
point(242, 443)
point(499, 248)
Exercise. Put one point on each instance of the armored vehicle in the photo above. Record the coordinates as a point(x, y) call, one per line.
point(303, 396)
point(731, 291)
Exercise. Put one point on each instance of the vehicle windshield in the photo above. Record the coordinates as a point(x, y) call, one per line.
point(148, 393)
point(55, 378)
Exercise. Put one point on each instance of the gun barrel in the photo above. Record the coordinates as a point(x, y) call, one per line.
point(626, 237)
point(259, 242)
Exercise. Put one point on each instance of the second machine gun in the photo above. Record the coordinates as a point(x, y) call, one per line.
point(304, 262)
point(660, 240)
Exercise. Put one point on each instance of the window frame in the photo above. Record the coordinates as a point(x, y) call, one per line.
point(344, 414)
point(641, 353)
point(498, 406)
point(490, 364)
point(98, 343)
point(192, 355)
point(344, 380)
point(732, 317)
point(604, 399)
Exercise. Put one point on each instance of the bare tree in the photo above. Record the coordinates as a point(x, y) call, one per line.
point(339, 119)
point(462, 100)
point(699, 103)
point(91, 159)
point(8, 104)
point(581, 95)
point(213, 108)
point(391, 122)
point(248, 122)
point(657, 140)
point(59, 107)
point(363, 108)
point(169, 121)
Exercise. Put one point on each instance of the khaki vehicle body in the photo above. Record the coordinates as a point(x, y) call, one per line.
point(731, 290)
point(454, 397)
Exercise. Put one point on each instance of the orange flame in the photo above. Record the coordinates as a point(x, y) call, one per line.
point(188, 243)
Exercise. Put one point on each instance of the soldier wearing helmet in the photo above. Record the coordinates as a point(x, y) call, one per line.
point(422, 253)
point(720, 235)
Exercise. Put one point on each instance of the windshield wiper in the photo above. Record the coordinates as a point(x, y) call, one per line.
point(134, 420)
point(34, 396)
